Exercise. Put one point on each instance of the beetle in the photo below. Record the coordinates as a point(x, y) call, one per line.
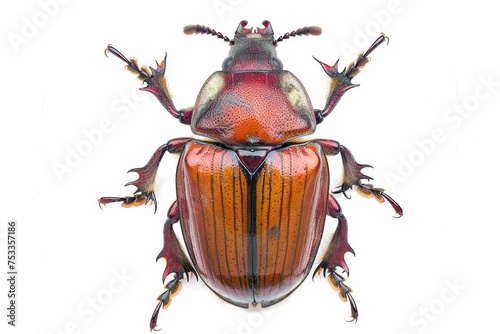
point(252, 198)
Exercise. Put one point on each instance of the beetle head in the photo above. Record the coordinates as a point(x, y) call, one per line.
point(252, 49)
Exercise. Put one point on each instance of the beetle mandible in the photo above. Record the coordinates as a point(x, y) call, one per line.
point(252, 199)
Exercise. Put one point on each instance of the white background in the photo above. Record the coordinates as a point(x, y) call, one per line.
point(424, 117)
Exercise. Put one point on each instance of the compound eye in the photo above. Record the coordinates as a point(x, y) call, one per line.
point(226, 64)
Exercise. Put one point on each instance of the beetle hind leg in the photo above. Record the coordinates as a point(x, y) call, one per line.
point(177, 264)
point(334, 257)
point(164, 300)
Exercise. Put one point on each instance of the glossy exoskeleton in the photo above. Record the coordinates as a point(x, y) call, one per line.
point(252, 198)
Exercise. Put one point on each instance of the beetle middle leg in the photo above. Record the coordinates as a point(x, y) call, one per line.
point(145, 183)
point(353, 175)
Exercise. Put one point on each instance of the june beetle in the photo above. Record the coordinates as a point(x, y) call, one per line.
point(252, 197)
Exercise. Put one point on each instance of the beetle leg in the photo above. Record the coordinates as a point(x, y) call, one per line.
point(145, 183)
point(155, 83)
point(341, 81)
point(334, 257)
point(177, 263)
point(353, 176)
point(368, 190)
point(352, 171)
point(171, 288)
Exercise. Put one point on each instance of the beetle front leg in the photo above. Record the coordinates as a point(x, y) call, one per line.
point(145, 183)
point(156, 83)
point(353, 176)
point(177, 264)
point(340, 82)
point(334, 257)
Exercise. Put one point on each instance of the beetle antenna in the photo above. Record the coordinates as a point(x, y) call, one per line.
point(304, 31)
point(201, 29)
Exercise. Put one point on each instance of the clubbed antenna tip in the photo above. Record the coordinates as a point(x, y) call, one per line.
point(304, 31)
point(314, 30)
point(201, 29)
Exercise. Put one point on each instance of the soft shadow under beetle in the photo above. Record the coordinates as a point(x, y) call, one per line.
point(252, 199)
